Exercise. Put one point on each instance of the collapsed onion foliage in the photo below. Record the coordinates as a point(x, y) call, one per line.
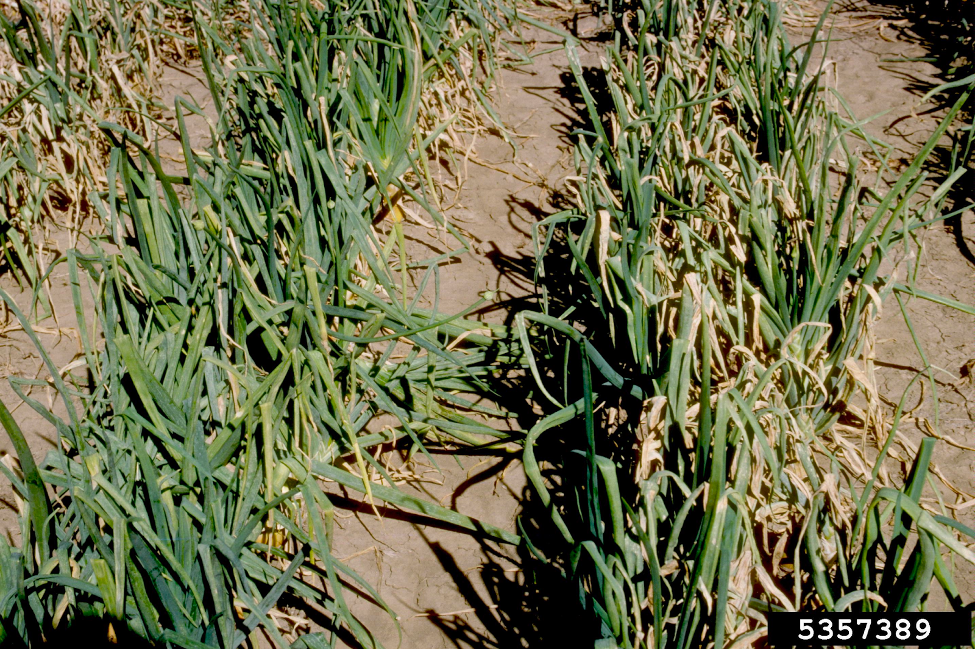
point(725, 236)
point(65, 66)
point(246, 333)
point(256, 319)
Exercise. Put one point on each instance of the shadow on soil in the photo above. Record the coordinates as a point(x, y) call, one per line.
point(539, 604)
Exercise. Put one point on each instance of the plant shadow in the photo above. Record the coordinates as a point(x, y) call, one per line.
point(537, 603)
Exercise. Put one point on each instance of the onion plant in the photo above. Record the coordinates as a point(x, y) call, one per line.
point(730, 238)
point(65, 66)
point(251, 324)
